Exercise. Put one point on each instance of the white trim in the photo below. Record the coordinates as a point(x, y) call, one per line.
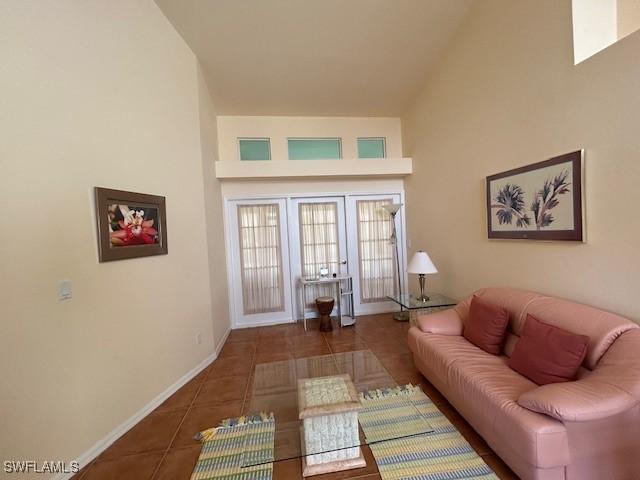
point(229, 258)
point(295, 253)
point(404, 247)
point(265, 323)
point(377, 308)
point(101, 445)
point(224, 340)
point(381, 307)
point(372, 308)
point(239, 318)
point(342, 193)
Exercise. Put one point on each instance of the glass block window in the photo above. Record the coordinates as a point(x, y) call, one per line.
point(314, 148)
point(255, 148)
point(371, 148)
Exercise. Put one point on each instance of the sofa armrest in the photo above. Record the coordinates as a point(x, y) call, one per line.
point(613, 387)
point(579, 401)
point(444, 322)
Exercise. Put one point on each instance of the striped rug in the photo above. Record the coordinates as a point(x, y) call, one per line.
point(443, 454)
point(236, 442)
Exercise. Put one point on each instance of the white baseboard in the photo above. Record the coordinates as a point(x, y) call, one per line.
point(223, 341)
point(265, 323)
point(368, 310)
point(100, 446)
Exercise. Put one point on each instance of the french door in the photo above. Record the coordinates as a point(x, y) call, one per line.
point(272, 243)
point(372, 252)
point(260, 272)
point(318, 239)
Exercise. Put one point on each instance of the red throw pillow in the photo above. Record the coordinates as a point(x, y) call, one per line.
point(548, 354)
point(486, 325)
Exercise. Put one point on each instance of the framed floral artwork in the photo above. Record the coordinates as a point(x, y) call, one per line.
point(130, 224)
point(542, 201)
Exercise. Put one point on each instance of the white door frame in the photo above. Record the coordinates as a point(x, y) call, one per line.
point(231, 250)
point(239, 319)
point(294, 239)
point(352, 219)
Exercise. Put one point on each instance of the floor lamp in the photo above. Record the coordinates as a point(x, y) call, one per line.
point(393, 209)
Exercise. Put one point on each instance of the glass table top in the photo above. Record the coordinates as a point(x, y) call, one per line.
point(412, 302)
point(276, 388)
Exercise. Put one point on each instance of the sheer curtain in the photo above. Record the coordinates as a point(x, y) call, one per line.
point(261, 258)
point(318, 244)
point(376, 253)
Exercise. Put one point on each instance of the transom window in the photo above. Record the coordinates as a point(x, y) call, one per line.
point(314, 148)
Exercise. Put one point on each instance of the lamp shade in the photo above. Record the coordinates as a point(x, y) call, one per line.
point(392, 208)
point(421, 263)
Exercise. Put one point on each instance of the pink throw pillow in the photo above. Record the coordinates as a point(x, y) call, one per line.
point(547, 354)
point(486, 325)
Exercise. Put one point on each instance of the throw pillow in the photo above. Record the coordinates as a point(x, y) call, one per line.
point(486, 325)
point(547, 354)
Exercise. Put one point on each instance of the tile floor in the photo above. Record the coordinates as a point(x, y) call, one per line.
point(161, 446)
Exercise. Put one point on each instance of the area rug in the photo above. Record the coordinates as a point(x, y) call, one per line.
point(443, 454)
point(234, 443)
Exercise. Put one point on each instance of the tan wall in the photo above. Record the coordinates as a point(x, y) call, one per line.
point(95, 93)
point(628, 17)
point(214, 215)
point(506, 94)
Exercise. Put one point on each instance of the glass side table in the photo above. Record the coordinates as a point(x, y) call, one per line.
point(417, 307)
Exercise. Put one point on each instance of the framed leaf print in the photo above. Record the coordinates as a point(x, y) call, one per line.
point(542, 201)
point(130, 224)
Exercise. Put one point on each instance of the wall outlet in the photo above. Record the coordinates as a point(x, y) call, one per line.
point(198, 339)
point(64, 290)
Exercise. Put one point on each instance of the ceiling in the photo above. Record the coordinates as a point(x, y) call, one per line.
point(315, 57)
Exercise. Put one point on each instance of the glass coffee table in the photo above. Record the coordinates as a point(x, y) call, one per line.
point(316, 402)
point(416, 307)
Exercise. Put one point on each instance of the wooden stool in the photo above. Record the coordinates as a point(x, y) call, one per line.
point(325, 305)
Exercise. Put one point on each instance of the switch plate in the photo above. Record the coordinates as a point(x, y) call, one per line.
point(198, 339)
point(64, 290)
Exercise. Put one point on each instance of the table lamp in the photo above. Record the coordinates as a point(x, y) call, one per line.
point(422, 265)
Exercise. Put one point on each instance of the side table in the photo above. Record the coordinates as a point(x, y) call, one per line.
point(417, 307)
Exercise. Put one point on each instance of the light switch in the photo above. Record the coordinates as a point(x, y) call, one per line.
point(64, 290)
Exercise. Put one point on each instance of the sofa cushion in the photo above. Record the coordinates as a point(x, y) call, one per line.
point(548, 354)
point(612, 388)
point(513, 299)
point(602, 328)
point(486, 325)
point(444, 322)
point(485, 391)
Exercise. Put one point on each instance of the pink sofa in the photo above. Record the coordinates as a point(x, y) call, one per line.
point(582, 430)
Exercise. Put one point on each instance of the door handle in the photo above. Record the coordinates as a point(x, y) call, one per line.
point(343, 262)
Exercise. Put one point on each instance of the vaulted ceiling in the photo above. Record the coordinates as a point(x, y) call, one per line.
point(315, 57)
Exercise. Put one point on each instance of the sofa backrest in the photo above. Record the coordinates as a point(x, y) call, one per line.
point(602, 327)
